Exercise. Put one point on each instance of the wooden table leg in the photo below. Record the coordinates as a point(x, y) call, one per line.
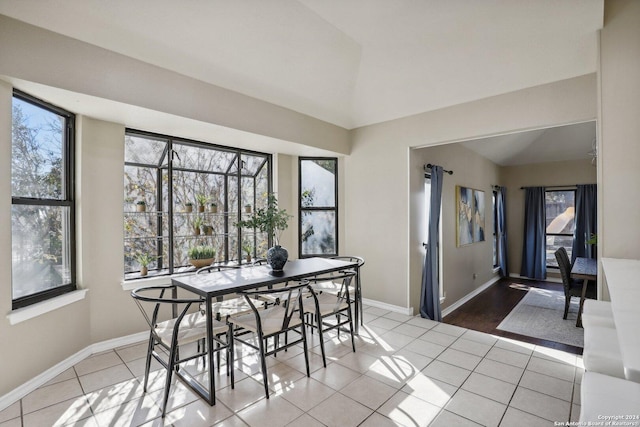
point(582, 297)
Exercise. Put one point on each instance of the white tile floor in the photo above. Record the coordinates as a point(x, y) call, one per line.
point(407, 371)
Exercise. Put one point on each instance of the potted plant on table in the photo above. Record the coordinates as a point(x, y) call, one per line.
point(201, 255)
point(272, 221)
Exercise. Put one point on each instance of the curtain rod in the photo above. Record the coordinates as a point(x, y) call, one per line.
point(554, 186)
point(429, 166)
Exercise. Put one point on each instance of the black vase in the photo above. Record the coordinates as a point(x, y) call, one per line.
point(277, 257)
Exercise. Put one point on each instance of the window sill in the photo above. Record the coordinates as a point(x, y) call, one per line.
point(35, 310)
point(130, 285)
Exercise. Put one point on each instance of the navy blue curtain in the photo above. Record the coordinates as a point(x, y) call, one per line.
point(501, 225)
point(430, 291)
point(534, 264)
point(586, 221)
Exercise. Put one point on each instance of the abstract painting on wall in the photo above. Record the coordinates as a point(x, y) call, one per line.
point(478, 216)
point(464, 220)
point(470, 217)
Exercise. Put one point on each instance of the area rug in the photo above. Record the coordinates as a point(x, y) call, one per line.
point(539, 315)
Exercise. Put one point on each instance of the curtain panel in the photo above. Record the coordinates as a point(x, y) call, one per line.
point(501, 222)
point(586, 221)
point(534, 263)
point(430, 290)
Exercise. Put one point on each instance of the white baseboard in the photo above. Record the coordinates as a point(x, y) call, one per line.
point(469, 296)
point(40, 380)
point(390, 307)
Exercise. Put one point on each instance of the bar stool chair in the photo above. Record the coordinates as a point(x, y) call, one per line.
point(157, 302)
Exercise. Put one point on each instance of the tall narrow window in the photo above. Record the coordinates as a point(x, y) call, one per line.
point(318, 202)
point(183, 195)
point(42, 211)
point(560, 215)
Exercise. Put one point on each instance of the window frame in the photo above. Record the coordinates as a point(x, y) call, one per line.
point(547, 234)
point(169, 268)
point(302, 210)
point(68, 201)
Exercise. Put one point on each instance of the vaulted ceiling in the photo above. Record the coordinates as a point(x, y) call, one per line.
point(348, 62)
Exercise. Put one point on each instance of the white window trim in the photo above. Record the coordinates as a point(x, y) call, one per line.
point(35, 310)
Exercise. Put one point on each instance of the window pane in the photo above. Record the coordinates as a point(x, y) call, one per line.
point(204, 159)
point(318, 183)
point(37, 156)
point(40, 248)
point(318, 233)
point(560, 212)
point(143, 150)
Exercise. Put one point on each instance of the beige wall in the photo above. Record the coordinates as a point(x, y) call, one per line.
point(619, 162)
point(37, 55)
point(514, 177)
point(459, 263)
point(33, 346)
point(378, 171)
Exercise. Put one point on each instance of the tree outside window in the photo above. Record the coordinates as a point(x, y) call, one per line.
point(318, 202)
point(42, 212)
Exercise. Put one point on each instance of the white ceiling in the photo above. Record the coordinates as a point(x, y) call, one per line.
point(348, 62)
point(571, 142)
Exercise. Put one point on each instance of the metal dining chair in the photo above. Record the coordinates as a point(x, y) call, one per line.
point(188, 327)
point(273, 322)
point(323, 305)
point(356, 290)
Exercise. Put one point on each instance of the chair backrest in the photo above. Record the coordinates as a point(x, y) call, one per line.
point(349, 258)
point(217, 267)
point(343, 294)
point(291, 304)
point(565, 267)
point(152, 299)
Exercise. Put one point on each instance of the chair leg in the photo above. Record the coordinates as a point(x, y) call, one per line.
point(173, 354)
point(567, 302)
point(231, 356)
point(147, 366)
point(353, 342)
point(321, 336)
point(304, 345)
point(263, 362)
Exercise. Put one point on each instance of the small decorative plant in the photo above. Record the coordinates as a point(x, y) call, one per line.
point(201, 252)
point(593, 240)
point(144, 259)
point(201, 256)
point(207, 229)
point(197, 223)
point(141, 205)
point(188, 207)
point(247, 208)
point(202, 201)
point(213, 207)
point(247, 248)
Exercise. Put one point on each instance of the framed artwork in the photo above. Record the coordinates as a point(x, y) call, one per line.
point(470, 218)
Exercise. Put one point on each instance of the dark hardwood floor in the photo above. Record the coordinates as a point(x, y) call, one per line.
point(486, 310)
